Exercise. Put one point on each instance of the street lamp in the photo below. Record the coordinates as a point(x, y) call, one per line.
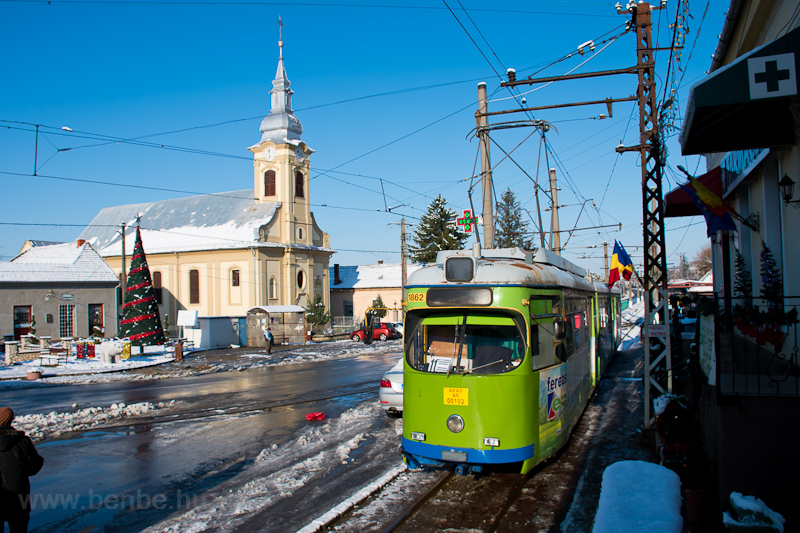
point(787, 191)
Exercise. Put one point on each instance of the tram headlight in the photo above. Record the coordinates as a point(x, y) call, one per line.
point(415, 435)
point(455, 423)
point(489, 441)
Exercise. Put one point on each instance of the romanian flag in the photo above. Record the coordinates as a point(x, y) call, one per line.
point(621, 265)
point(716, 212)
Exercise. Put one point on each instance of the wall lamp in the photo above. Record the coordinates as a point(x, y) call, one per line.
point(787, 191)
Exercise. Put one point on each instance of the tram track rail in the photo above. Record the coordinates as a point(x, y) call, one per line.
point(462, 502)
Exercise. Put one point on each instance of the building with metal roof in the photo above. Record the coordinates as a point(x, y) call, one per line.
point(222, 254)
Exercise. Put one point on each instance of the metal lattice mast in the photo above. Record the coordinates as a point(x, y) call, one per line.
point(658, 371)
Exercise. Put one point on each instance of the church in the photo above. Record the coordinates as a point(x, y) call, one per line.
point(222, 254)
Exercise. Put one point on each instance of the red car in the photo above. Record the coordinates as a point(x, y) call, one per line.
point(382, 331)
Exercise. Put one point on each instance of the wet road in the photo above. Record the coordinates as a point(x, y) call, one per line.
point(128, 477)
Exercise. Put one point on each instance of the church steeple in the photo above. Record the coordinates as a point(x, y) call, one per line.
point(281, 124)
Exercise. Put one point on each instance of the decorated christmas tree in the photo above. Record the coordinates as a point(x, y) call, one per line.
point(140, 319)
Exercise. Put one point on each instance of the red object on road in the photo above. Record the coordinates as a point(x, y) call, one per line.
point(315, 416)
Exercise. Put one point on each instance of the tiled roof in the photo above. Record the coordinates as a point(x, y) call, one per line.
point(57, 263)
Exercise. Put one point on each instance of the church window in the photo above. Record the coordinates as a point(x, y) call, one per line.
point(157, 286)
point(269, 183)
point(273, 289)
point(298, 185)
point(234, 278)
point(194, 286)
point(301, 279)
point(300, 234)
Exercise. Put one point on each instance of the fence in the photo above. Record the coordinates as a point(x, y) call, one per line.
point(757, 351)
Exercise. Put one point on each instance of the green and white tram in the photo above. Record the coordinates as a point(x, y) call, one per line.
point(503, 350)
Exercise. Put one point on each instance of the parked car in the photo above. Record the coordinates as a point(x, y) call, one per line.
point(382, 331)
point(398, 326)
point(391, 390)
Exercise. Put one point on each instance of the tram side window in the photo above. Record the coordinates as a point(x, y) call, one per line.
point(543, 345)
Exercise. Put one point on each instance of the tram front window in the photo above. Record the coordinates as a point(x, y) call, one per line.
point(443, 344)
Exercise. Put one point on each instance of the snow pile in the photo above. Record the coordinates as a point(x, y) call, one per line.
point(650, 504)
point(751, 512)
point(75, 366)
point(47, 426)
point(279, 471)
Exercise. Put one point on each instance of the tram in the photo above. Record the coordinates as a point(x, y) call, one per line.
point(502, 351)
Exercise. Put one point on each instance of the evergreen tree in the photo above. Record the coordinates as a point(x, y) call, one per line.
point(437, 231)
point(744, 280)
point(380, 307)
point(316, 315)
point(771, 281)
point(511, 229)
point(141, 322)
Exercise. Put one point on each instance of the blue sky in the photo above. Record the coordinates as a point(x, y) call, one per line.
point(167, 96)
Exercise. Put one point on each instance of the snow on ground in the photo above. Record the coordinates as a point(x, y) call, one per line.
point(194, 363)
point(47, 426)
point(280, 471)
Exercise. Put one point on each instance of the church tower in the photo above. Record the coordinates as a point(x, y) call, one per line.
point(281, 171)
point(281, 161)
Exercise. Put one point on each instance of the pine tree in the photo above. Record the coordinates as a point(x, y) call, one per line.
point(380, 307)
point(771, 281)
point(140, 319)
point(437, 231)
point(744, 280)
point(511, 229)
point(316, 315)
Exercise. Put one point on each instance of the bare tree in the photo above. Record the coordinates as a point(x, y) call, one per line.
point(702, 261)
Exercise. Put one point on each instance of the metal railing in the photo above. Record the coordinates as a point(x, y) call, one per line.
point(757, 350)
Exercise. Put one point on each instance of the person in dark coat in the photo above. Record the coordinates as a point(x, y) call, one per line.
point(270, 339)
point(18, 461)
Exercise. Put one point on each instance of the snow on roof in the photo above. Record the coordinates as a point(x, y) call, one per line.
point(58, 263)
point(221, 221)
point(381, 276)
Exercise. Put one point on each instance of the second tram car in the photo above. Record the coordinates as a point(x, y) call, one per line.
point(502, 352)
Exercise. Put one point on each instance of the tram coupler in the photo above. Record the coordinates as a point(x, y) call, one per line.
point(467, 470)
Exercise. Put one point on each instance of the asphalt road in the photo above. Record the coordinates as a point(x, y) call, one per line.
point(225, 420)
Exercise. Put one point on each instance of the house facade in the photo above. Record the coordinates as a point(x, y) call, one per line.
point(58, 291)
point(744, 118)
point(222, 254)
point(354, 289)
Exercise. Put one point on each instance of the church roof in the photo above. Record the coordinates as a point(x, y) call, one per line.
point(220, 221)
point(69, 263)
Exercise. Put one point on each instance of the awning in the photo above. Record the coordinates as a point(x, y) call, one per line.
point(677, 203)
point(745, 104)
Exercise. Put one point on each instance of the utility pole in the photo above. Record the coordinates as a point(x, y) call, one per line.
point(555, 233)
point(657, 321)
point(124, 280)
point(605, 261)
point(482, 120)
point(403, 263)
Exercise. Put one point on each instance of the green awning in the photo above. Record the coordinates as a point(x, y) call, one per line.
point(745, 104)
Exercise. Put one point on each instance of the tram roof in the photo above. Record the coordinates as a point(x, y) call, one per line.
point(508, 266)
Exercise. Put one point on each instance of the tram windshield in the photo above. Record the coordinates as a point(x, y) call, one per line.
point(461, 343)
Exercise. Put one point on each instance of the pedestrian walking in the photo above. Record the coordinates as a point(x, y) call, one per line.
point(270, 339)
point(18, 461)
